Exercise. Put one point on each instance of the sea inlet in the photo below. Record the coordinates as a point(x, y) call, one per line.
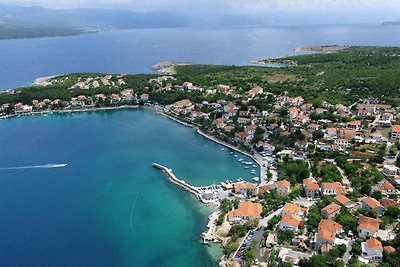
point(108, 206)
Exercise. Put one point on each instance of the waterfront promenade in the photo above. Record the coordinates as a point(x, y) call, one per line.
point(256, 157)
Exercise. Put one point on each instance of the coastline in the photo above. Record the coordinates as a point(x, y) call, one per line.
point(322, 49)
point(43, 81)
point(215, 140)
point(47, 112)
point(211, 231)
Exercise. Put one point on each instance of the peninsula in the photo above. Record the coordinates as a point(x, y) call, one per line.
point(324, 130)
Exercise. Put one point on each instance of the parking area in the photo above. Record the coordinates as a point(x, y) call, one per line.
point(246, 244)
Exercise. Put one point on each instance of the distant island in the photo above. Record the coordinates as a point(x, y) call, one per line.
point(14, 32)
point(390, 23)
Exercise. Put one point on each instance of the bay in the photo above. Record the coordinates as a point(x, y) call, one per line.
point(108, 207)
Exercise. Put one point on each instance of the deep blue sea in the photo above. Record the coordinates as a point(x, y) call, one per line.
point(135, 51)
point(108, 207)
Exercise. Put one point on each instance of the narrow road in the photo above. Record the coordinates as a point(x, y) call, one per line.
point(347, 256)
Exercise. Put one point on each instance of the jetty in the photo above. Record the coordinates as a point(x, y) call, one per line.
point(205, 194)
point(170, 175)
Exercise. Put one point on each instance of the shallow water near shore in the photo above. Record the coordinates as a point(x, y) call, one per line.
point(108, 207)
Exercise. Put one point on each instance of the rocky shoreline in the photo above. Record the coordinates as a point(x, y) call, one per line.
point(284, 61)
point(168, 67)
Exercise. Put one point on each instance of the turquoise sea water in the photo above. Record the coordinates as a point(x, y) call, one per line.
point(108, 207)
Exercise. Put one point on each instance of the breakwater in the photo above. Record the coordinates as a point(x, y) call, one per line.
point(170, 175)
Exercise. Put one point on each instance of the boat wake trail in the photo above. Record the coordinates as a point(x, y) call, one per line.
point(133, 208)
point(46, 166)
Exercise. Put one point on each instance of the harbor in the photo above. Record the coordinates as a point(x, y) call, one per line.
point(206, 194)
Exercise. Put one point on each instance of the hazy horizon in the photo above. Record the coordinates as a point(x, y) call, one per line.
point(323, 11)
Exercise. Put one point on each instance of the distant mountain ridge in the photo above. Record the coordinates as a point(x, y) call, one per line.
point(81, 18)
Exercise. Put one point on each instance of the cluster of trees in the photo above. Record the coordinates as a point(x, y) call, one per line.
point(240, 230)
point(314, 214)
point(361, 179)
point(295, 171)
point(226, 206)
point(330, 173)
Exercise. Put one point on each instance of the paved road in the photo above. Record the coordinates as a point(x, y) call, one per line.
point(258, 237)
point(347, 256)
point(264, 221)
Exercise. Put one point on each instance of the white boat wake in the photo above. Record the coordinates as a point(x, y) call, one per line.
point(46, 166)
point(133, 208)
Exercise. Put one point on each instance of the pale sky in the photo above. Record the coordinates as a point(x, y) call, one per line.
point(225, 6)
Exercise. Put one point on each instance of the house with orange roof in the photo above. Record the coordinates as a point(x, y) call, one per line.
point(251, 129)
point(332, 226)
point(220, 125)
point(372, 249)
point(290, 208)
point(354, 125)
point(324, 240)
point(290, 222)
point(229, 128)
point(282, 187)
point(306, 107)
point(301, 119)
point(311, 188)
point(342, 142)
point(245, 137)
point(263, 189)
point(255, 91)
point(363, 113)
point(144, 97)
point(389, 249)
point(330, 211)
point(243, 188)
point(312, 127)
point(387, 117)
point(331, 189)
point(369, 204)
point(245, 211)
point(223, 88)
point(349, 134)
point(298, 100)
point(293, 112)
point(242, 120)
point(395, 132)
point(267, 147)
point(387, 202)
point(367, 227)
point(385, 187)
point(343, 200)
point(327, 231)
